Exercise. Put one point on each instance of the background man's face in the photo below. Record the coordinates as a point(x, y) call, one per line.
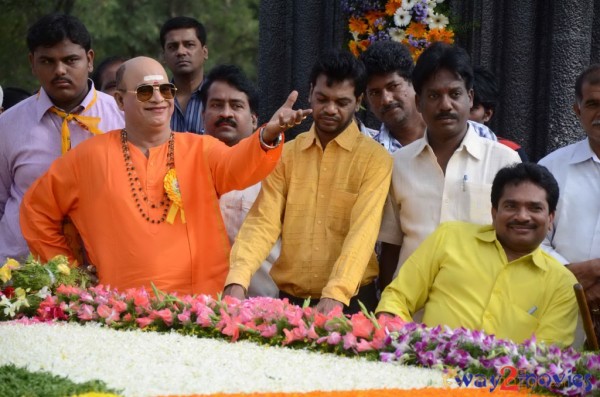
point(445, 104)
point(108, 78)
point(588, 111)
point(333, 107)
point(522, 218)
point(184, 53)
point(391, 98)
point(63, 71)
point(227, 114)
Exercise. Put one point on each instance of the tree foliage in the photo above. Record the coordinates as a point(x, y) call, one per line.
point(131, 28)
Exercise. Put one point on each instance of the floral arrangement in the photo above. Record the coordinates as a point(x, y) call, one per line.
point(415, 23)
point(277, 322)
point(24, 286)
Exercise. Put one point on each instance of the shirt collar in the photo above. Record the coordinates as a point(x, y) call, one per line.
point(471, 143)
point(487, 233)
point(44, 102)
point(346, 139)
point(583, 152)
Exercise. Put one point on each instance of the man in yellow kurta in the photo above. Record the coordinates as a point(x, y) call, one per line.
point(324, 199)
point(495, 277)
point(145, 199)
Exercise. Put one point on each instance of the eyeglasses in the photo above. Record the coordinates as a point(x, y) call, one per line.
point(144, 92)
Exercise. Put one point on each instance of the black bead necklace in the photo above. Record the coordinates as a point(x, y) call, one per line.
point(137, 192)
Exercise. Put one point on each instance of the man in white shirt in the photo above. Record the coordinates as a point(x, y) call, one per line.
point(447, 174)
point(575, 237)
point(229, 110)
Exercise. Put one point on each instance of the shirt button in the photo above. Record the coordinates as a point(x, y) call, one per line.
point(322, 196)
point(316, 248)
point(324, 168)
point(319, 222)
point(315, 275)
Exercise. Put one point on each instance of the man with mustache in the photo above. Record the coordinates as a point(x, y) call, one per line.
point(495, 277)
point(183, 41)
point(324, 199)
point(575, 237)
point(445, 175)
point(66, 110)
point(391, 96)
point(230, 113)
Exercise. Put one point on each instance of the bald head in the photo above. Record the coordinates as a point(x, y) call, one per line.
point(140, 70)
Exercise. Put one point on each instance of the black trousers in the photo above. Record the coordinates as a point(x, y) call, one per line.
point(367, 294)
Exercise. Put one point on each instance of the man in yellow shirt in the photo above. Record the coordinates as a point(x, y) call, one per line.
point(495, 277)
point(325, 199)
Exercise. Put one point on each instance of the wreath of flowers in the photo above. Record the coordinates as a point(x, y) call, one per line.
point(415, 23)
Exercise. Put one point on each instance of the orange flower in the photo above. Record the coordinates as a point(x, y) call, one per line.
point(357, 25)
point(372, 16)
point(416, 29)
point(391, 6)
point(446, 36)
point(353, 46)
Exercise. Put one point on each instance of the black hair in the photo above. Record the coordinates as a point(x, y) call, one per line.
point(106, 62)
point(54, 28)
point(13, 95)
point(526, 172)
point(442, 56)
point(182, 23)
point(234, 76)
point(338, 66)
point(485, 88)
point(591, 74)
point(387, 56)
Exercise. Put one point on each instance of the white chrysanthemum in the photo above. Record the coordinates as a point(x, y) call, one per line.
point(148, 364)
point(431, 4)
point(437, 21)
point(401, 17)
point(408, 4)
point(397, 34)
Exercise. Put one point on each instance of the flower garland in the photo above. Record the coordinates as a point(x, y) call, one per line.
point(415, 23)
point(278, 323)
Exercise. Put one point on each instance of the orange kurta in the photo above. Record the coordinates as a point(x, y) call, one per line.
point(90, 185)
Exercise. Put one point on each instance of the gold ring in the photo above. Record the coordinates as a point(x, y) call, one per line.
point(596, 310)
point(282, 126)
point(298, 122)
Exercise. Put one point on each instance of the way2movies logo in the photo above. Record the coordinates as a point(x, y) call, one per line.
point(511, 379)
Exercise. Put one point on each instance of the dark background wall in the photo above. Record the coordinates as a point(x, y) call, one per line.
point(535, 48)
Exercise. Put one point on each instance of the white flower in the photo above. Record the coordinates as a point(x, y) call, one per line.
point(431, 4)
point(44, 292)
point(437, 21)
point(401, 17)
point(408, 4)
point(397, 34)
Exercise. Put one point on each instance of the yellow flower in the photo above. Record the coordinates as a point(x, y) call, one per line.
point(20, 293)
point(5, 273)
point(171, 185)
point(63, 268)
point(12, 264)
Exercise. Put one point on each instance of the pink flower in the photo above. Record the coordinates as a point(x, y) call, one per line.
point(109, 314)
point(184, 317)
point(267, 331)
point(298, 333)
point(364, 346)
point(230, 326)
point(143, 322)
point(86, 312)
point(349, 341)
point(165, 315)
point(361, 326)
point(334, 338)
point(68, 290)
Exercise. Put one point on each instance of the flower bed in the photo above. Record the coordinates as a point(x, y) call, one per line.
point(463, 354)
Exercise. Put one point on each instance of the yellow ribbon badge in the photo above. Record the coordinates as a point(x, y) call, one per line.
point(172, 188)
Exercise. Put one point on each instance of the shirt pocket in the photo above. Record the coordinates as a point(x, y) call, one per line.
point(524, 325)
point(479, 204)
point(340, 210)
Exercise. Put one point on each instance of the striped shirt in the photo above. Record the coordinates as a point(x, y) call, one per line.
point(191, 120)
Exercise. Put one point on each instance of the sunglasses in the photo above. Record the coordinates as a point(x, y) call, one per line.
point(144, 92)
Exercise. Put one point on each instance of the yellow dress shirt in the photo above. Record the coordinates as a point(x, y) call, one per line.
point(461, 277)
point(327, 207)
point(422, 196)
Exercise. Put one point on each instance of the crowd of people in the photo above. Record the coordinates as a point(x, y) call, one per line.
point(147, 180)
